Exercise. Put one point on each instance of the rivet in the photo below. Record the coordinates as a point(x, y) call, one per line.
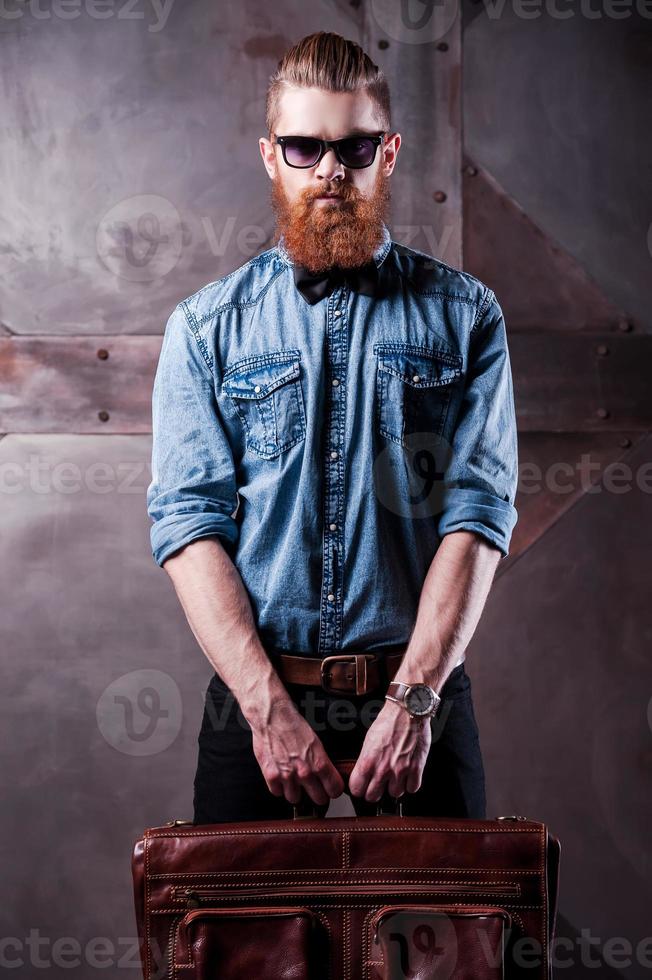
point(439, 196)
point(257, 388)
point(625, 443)
point(102, 353)
point(602, 413)
point(442, 46)
point(416, 378)
point(624, 325)
point(602, 350)
point(103, 416)
point(471, 171)
point(382, 44)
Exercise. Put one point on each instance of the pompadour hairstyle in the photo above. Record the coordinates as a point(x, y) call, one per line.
point(330, 62)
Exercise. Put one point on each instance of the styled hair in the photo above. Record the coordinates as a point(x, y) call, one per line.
point(330, 62)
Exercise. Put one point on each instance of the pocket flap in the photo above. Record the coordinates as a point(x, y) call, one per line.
point(418, 366)
point(258, 379)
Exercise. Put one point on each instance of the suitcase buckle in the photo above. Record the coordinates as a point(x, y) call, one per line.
point(359, 673)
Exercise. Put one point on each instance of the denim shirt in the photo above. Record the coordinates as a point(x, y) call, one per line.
point(330, 447)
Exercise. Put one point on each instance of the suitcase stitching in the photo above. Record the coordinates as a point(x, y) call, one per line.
point(147, 904)
point(225, 875)
point(358, 830)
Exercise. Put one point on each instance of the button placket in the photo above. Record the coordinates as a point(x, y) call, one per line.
point(330, 633)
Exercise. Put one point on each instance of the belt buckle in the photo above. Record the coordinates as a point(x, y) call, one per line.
point(360, 661)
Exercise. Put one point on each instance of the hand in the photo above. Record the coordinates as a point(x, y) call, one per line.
point(393, 755)
point(291, 756)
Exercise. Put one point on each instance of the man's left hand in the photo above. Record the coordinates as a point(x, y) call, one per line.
point(393, 754)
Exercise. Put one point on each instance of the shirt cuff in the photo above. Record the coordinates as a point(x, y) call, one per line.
point(177, 530)
point(467, 509)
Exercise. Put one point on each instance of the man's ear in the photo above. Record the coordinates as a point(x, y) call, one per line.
point(268, 155)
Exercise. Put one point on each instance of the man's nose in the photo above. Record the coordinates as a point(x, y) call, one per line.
point(329, 166)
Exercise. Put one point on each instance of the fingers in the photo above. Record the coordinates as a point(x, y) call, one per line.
point(330, 777)
point(371, 784)
point(359, 779)
point(321, 782)
point(315, 789)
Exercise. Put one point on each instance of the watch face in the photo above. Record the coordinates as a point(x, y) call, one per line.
point(420, 699)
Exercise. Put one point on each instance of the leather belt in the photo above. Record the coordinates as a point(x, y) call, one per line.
point(340, 673)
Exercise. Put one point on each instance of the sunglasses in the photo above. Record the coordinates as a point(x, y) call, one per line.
point(351, 151)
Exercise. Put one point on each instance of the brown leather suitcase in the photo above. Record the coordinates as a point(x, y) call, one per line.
point(347, 898)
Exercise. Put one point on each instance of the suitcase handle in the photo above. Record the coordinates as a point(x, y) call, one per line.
point(387, 804)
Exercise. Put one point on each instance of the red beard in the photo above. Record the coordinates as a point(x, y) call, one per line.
point(320, 236)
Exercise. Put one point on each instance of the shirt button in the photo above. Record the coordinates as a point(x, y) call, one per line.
point(330, 597)
point(338, 313)
point(333, 527)
point(416, 378)
point(334, 454)
point(257, 388)
point(335, 382)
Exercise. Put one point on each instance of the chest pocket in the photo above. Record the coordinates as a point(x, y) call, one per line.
point(414, 388)
point(265, 390)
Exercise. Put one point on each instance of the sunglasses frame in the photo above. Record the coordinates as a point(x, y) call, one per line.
point(376, 139)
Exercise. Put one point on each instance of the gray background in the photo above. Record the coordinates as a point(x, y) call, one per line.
point(96, 112)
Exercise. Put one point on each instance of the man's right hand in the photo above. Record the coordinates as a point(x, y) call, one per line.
point(291, 757)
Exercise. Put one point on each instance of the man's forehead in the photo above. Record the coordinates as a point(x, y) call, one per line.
point(325, 115)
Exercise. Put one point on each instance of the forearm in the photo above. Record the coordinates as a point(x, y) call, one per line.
point(451, 603)
point(219, 614)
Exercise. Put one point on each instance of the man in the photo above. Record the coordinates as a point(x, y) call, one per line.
point(333, 477)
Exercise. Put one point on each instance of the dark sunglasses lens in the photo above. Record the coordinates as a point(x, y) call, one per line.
point(357, 151)
point(301, 152)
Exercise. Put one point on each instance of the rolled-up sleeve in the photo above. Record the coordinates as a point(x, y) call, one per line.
point(481, 476)
point(192, 493)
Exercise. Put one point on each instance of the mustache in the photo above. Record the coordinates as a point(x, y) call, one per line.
point(345, 193)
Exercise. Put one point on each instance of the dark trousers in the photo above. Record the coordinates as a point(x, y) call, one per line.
point(229, 785)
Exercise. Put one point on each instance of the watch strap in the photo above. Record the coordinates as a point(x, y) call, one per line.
point(396, 690)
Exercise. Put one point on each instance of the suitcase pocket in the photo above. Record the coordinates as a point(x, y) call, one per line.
point(280, 943)
point(430, 942)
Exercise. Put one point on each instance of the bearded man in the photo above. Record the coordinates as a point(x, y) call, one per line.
point(334, 470)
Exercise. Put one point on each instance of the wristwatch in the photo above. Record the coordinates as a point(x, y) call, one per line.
point(419, 700)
